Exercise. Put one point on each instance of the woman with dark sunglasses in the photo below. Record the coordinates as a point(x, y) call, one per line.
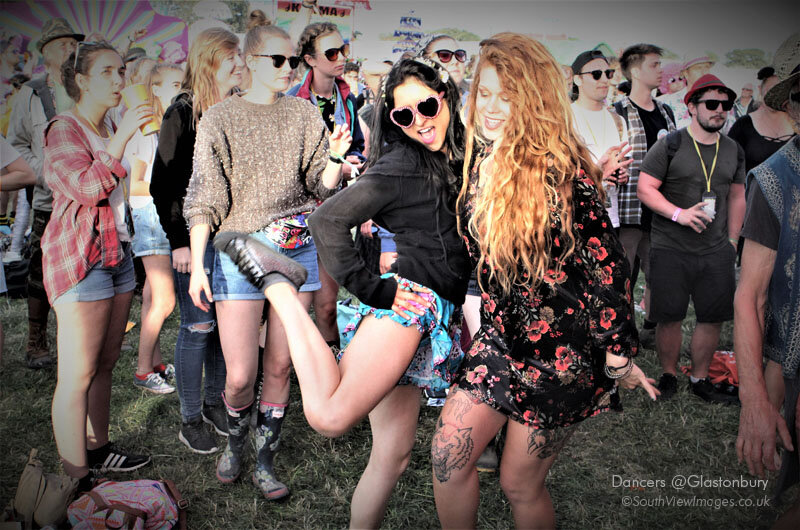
point(405, 334)
point(444, 50)
point(324, 52)
point(261, 163)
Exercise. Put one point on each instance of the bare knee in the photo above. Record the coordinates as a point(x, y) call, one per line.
point(163, 305)
point(520, 489)
point(201, 328)
point(329, 424)
point(390, 460)
point(239, 383)
point(277, 370)
point(325, 310)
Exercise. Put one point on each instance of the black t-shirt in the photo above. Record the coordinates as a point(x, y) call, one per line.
point(757, 148)
point(760, 223)
point(683, 183)
point(653, 122)
point(326, 108)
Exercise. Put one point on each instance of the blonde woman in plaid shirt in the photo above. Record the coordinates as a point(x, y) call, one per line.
point(88, 269)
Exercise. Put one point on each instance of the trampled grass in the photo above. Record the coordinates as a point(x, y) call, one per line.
point(684, 437)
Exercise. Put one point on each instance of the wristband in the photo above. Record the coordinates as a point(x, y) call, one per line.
point(335, 160)
point(676, 214)
point(734, 241)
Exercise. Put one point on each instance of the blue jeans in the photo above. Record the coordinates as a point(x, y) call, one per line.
point(196, 348)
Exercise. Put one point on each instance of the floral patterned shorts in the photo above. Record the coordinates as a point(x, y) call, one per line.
point(439, 354)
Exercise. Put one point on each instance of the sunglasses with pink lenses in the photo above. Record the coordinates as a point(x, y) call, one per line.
point(429, 108)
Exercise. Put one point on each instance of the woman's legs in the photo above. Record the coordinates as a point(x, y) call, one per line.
point(238, 332)
point(394, 425)
point(277, 363)
point(325, 306)
point(89, 339)
point(335, 397)
point(158, 301)
point(527, 458)
point(464, 429)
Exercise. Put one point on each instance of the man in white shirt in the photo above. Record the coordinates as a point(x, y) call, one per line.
point(602, 130)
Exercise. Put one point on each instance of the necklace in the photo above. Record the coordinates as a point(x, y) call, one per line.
point(84, 118)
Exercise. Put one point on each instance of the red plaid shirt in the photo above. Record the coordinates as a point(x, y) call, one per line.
point(81, 232)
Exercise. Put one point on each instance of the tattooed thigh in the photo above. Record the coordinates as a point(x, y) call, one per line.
point(460, 405)
point(546, 443)
point(451, 449)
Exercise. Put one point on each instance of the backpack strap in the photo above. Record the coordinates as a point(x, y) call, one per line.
point(673, 144)
point(131, 514)
point(40, 88)
point(182, 503)
point(622, 110)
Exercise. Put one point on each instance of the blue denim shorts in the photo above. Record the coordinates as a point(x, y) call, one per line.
point(103, 282)
point(149, 238)
point(230, 284)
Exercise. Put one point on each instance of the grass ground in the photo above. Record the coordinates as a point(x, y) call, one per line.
point(656, 441)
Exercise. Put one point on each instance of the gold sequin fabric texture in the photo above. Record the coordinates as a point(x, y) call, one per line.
point(255, 163)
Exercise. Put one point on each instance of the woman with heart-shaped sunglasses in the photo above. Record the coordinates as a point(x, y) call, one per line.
point(404, 336)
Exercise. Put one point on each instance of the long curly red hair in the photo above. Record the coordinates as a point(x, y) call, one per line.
point(535, 162)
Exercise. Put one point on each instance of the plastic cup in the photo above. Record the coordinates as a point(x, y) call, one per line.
point(135, 95)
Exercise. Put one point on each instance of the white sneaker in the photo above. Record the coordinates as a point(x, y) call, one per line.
point(11, 256)
point(154, 383)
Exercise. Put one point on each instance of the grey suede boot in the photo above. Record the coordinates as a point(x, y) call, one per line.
point(230, 463)
point(267, 439)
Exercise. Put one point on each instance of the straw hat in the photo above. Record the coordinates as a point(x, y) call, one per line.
point(787, 68)
point(55, 28)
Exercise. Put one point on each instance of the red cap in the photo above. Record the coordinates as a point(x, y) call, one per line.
point(708, 81)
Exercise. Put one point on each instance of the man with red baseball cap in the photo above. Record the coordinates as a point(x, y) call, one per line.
point(693, 180)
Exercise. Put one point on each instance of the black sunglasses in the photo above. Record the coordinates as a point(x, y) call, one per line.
point(712, 104)
point(795, 97)
point(333, 53)
point(446, 55)
point(278, 60)
point(597, 74)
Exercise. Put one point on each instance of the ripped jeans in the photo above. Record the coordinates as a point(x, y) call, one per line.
point(197, 347)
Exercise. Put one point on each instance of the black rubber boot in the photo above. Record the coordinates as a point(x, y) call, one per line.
point(230, 463)
point(267, 439)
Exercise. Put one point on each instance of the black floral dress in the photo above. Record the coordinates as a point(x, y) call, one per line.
point(539, 354)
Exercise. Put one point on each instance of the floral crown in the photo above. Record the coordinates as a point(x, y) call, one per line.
point(444, 75)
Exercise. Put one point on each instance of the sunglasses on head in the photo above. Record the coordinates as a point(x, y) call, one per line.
point(429, 107)
point(712, 104)
point(278, 60)
point(446, 55)
point(78, 51)
point(332, 54)
point(597, 74)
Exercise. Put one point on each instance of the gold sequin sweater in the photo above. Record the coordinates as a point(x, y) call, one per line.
point(255, 163)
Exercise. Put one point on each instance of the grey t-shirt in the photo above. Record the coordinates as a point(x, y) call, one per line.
point(760, 223)
point(683, 184)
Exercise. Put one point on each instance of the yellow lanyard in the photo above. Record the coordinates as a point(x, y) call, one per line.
point(702, 163)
